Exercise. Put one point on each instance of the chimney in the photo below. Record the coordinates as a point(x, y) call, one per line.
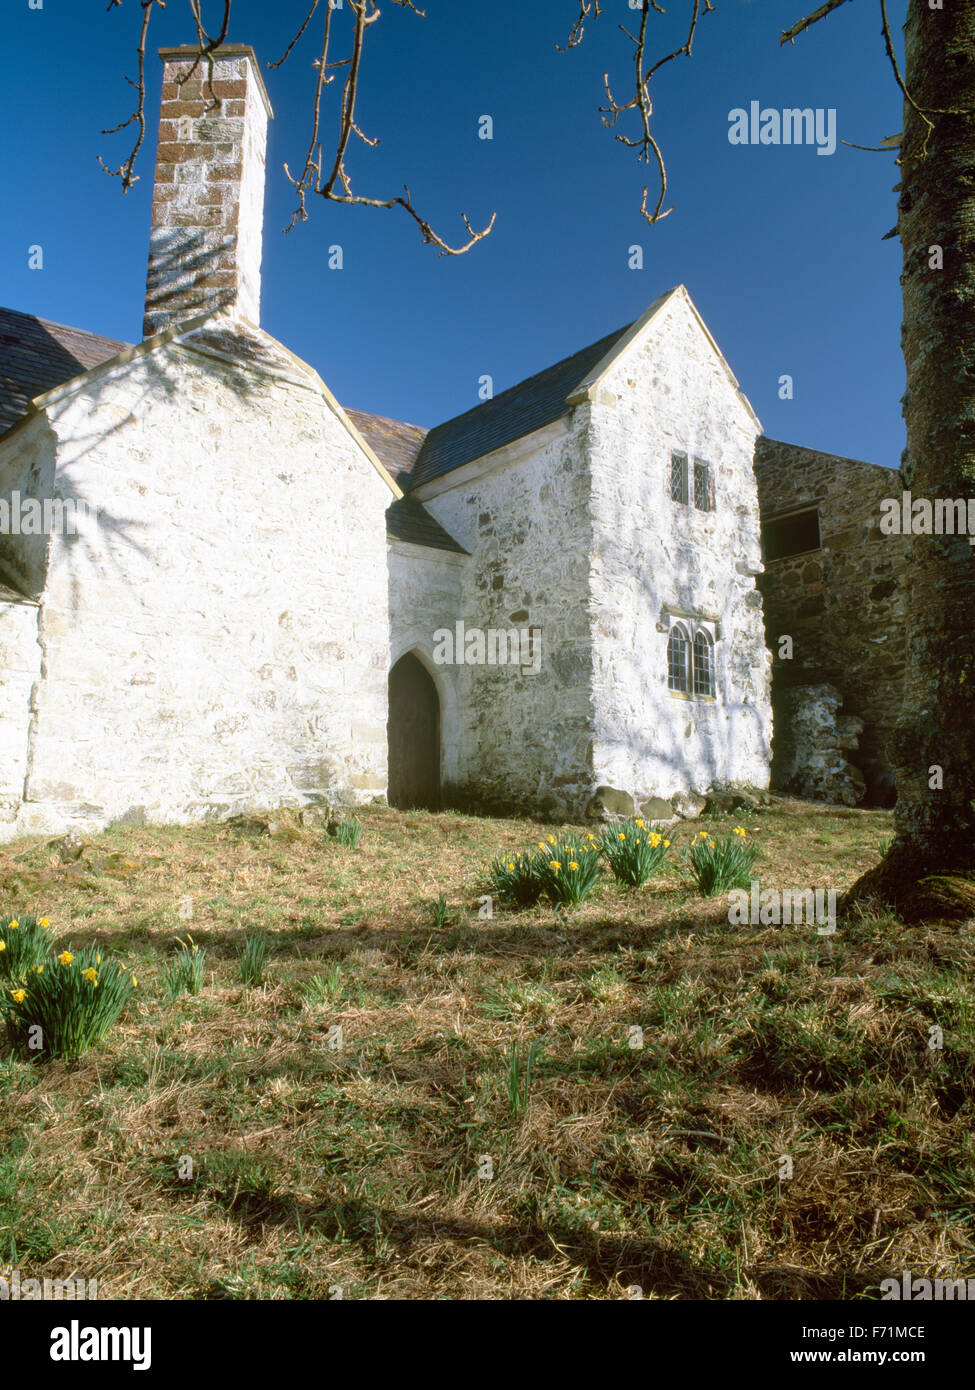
point(208, 200)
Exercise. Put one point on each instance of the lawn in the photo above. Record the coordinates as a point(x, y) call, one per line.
point(419, 1102)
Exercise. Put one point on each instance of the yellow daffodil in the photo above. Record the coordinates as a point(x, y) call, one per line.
point(90, 975)
point(573, 864)
point(551, 839)
point(18, 995)
point(3, 945)
point(135, 982)
point(666, 844)
point(739, 830)
point(39, 969)
point(622, 836)
point(510, 866)
point(640, 824)
point(65, 957)
point(44, 922)
point(554, 864)
point(14, 924)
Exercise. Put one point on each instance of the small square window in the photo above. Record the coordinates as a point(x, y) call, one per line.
point(791, 535)
point(702, 486)
point(678, 478)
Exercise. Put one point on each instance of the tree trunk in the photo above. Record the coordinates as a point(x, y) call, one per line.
point(930, 869)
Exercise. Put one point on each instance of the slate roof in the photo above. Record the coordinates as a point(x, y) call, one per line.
point(408, 520)
point(37, 355)
point(395, 444)
point(537, 401)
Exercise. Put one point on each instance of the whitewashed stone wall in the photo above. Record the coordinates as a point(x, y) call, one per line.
point(425, 594)
point(20, 664)
point(27, 470)
point(526, 739)
point(219, 641)
point(670, 392)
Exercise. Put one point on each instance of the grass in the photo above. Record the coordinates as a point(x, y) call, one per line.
point(635, 1068)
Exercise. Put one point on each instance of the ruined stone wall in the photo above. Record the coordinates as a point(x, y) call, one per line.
point(526, 740)
point(653, 556)
point(843, 605)
point(219, 640)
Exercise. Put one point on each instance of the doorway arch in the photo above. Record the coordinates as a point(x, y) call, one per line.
point(413, 734)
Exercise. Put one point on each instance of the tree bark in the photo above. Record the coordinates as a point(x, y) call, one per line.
point(929, 869)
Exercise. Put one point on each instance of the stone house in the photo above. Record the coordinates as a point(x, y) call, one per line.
point(241, 594)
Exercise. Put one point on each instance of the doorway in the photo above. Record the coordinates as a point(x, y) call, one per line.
point(414, 737)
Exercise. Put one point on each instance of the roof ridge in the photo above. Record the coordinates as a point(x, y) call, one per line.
point(527, 380)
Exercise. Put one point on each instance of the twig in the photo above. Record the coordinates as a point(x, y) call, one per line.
point(790, 35)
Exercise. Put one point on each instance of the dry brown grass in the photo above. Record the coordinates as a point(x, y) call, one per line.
point(316, 1168)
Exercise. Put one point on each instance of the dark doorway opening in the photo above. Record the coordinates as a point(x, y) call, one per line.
point(414, 737)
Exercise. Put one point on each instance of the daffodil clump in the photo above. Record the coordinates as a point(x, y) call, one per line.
point(66, 1003)
point(568, 867)
point(717, 865)
point(185, 973)
point(24, 944)
point(634, 851)
point(516, 878)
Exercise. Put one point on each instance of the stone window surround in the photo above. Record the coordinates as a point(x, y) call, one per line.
point(690, 624)
point(686, 492)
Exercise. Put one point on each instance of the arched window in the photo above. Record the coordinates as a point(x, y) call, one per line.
point(678, 663)
point(703, 663)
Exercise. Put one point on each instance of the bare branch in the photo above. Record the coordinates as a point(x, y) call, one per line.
point(337, 186)
point(642, 102)
point(300, 34)
point(126, 171)
point(577, 32)
point(790, 35)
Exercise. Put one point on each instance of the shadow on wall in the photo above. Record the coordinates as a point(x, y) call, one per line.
point(181, 261)
point(688, 587)
point(25, 559)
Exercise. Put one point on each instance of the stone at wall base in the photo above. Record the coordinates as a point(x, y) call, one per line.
point(608, 802)
point(728, 796)
point(688, 805)
point(658, 811)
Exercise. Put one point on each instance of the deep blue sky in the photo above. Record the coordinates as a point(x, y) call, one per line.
point(780, 248)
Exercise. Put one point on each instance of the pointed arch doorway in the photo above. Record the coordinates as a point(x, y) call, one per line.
point(413, 734)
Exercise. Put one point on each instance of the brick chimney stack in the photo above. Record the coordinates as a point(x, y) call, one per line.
point(208, 200)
